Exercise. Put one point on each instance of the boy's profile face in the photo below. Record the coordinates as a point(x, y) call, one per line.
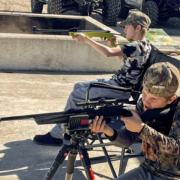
point(153, 102)
point(130, 32)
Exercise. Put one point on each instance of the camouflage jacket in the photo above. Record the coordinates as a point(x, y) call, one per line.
point(162, 152)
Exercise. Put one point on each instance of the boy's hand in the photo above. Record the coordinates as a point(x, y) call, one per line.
point(112, 41)
point(99, 125)
point(79, 37)
point(133, 123)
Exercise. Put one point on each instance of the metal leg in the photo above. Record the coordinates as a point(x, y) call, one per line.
point(121, 161)
point(70, 164)
point(107, 157)
point(57, 162)
point(71, 147)
point(85, 161)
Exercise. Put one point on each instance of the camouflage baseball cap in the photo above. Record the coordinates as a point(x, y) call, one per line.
point(162, 80)
point(136, 18)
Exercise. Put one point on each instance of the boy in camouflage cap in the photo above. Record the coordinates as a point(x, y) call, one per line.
point(160, 145)
point(134, 56)
point(137, 18)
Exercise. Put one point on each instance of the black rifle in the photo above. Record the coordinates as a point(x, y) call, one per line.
point(76, 126)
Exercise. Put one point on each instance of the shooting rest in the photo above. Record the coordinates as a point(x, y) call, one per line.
point(74, 143)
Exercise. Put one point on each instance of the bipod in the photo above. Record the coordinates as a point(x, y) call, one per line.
point(73, 145)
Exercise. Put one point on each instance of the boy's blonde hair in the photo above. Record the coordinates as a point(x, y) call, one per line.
point(143, 29)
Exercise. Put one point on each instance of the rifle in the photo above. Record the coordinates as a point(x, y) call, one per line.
point(89, 33)
point(79, 119)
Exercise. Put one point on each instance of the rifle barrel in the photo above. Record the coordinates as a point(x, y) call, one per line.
point(29, 116)
point(66, 30)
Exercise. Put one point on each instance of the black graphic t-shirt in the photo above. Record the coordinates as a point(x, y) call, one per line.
point(135, 57)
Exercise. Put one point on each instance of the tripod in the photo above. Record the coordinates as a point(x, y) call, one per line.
point(73, 145)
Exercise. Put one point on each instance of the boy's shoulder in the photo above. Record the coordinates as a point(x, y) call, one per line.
point(176, 105)
point(137, 48)
point(139, 42)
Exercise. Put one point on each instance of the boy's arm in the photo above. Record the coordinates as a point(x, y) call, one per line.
point(121, 136)
point(167, 145)
point(104, 50)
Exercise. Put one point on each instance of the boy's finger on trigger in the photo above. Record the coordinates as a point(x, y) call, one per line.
point(95, 120)
point(102, 125)
point(100, 120)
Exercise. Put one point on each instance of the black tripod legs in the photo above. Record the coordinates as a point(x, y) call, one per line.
point(57, 162)
point(71, 149)
point(70, 165)
point(85, 161)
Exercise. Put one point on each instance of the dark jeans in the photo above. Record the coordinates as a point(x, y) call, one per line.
point(138, 174)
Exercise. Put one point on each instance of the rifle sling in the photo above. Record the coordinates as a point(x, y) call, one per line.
point(160, 119)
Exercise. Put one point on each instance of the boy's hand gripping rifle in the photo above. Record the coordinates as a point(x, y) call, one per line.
point(89, 33)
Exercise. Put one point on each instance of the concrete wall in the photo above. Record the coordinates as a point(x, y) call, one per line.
point(52, 52)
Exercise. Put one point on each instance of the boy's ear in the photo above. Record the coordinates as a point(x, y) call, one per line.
point(138, 28)
point(172, 99)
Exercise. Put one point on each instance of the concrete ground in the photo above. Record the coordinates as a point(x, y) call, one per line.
point(30, 93)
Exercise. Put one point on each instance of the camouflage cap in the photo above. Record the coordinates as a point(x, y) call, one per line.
point(162, 80)
point(136, 18)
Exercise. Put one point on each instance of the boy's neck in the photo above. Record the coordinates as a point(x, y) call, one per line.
point(139, 37)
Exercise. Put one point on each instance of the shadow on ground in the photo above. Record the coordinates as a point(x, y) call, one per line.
point(29, 161)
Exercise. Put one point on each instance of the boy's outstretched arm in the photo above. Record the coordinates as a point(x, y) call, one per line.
point(104, 50)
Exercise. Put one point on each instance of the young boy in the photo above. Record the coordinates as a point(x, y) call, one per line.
point(161, 88)
point(134, 56)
